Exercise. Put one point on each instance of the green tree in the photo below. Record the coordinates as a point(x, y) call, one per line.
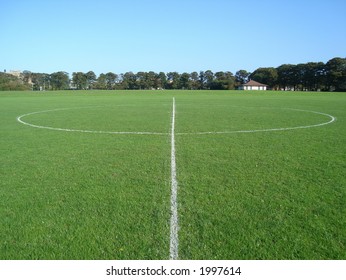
point(267, 75)
point(142, 80)
point(173, 80)
point(129, 80)
point(310, 76)
point(41, 81)
point(101, 82)
point(161, 80)
point(151, 78)
point(10, 82)
point(111, 80)
point(194, 80)
point(79, 80)
point(201, 80)
point(91, 79)
point(320, 76)
point(286, 73)
point(209, 79)
point(223, 81)
point(59, 80)
point(336, 74)
point(185, 82)
point(242, 77)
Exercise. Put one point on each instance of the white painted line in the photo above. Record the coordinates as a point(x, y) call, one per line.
point(19, 119)
point(332, 119)
point(174, 241)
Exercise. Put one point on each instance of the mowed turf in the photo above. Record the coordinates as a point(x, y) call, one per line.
point(68, 195)
point(253, 195)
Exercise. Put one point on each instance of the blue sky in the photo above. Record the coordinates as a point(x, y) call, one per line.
point(175, 35)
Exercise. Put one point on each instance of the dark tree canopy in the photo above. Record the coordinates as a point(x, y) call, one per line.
point(311, 76)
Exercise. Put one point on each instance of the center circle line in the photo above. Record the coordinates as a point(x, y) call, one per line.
point(20, 120)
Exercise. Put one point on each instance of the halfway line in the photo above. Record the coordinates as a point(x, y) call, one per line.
point(173, 250)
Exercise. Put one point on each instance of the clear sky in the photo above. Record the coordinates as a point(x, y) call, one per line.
point(168, 35)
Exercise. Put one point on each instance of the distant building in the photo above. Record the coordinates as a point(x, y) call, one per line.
point(16, 73)
point(253, 85)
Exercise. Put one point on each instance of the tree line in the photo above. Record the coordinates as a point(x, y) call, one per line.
point(10, 82)
point(311, 76)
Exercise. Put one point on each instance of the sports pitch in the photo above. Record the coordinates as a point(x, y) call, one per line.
point(88, 175)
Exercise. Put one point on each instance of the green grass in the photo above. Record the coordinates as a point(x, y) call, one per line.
point(263, 195)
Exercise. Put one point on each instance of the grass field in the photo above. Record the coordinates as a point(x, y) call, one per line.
point(245, 191)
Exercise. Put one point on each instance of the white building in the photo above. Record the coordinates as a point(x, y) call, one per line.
point(253, 85)
point(16, 73)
